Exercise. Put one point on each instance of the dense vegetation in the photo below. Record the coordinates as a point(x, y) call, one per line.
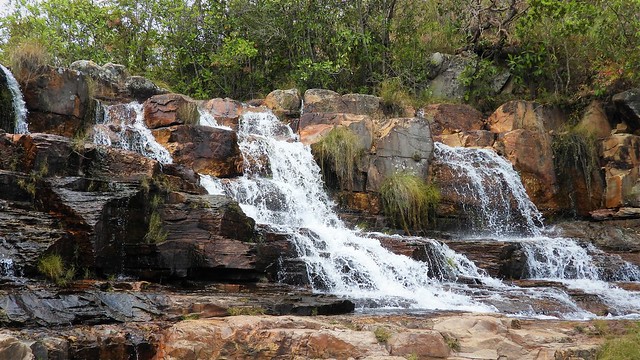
point(245, 48)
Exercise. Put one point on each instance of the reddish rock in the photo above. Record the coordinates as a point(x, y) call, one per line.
point(527, 115)
point(227, 112)
point(207, 150)
point(531, 155)
point(446, 119)
point(428, 343)
point(313, 127)
point(170, 109)
point(477, 138)
point(621, 152)
point(58, 101)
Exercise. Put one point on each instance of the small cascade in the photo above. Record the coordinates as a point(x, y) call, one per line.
point(338, 260)
point(490, 190)
point(123, 127)
point(558, 258)
point(19, 106)
point(7, 269)
point(206, 119)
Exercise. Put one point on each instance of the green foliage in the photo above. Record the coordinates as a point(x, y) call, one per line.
point(53, 268)
point(575, 153)
point(478, 79)
point(452, 343)
point(155, 232)
point(339, 151)
point(408, 201)
point(395, 97)
point(382, 335)
point(30, 183)
point(625, 347)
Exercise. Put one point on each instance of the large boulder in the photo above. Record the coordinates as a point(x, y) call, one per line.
point(207, 150)
point(323, 101)
point(446, 119)
point(594, 121)
point(284, 103)
point(170, 109)
point(531, 154)
point(58, 101)
point(403, 144)
point(313, 127)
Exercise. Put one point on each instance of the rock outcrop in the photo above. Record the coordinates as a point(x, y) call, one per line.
point(170, 109)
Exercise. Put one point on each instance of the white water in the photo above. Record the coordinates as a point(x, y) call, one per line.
point(131, 132)
point(338, 260)
point(489, 182)
point(6, 267)
point(206, 119)
point(19, 106)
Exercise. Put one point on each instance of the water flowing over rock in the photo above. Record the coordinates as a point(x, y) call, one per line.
point(12, 105)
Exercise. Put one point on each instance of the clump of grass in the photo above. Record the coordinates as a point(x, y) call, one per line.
point(27, 58)
point(53, 268)
point(625, 347)
point(409, 201)
point(155, 232)
point(30, 184)
point(395, 97)
point(382, 335)
point(452, 343)
point(575, 151)
point(340, 151)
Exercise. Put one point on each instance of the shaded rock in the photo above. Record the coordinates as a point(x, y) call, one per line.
point(58, 101)
point(445, 74)
point(207, 150)
point(7, 112)
point(361, 104)
point(403, 144)
point(284, 103)
point(446, 119)
point(313, 127)
point(527, 115)
point(616, 214)
point(594, 121)
point(140, 88)
point(627, 103)
point(609, 235)
point(170, 109)
point(12, 348)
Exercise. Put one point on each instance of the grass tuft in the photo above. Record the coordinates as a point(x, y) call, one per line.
point(53, 268)
point(27, 58)
point(408, 201)
point(339, 151)
point(625, 347)
point(576, 152)
point(382, 335)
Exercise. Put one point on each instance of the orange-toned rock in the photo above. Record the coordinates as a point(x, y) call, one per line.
point(531, 154)
point(227, 112)
point(477, 138)
point(57, 99)
point(621, 152)
point(448, 119)
point(519, 114)
point(170, 109)
point(595, 121)
point(207, 150)
point(429, 344)
point(313, 127)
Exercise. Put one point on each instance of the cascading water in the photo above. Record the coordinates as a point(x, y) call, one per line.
point(502, 208)
point(490, 191)
point(130, 133)
point(338, 260)
point(19, 106)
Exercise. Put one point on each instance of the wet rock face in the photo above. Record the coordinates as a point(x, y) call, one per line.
point(628, 105)
point(207, 150)
point(621, 152)
point(170, 109)
point(58, 101)
point(227, 112)
point(7, 113)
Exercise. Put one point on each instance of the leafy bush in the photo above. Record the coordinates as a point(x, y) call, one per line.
point(53, 268)
point(339, 151)
point(408, 201)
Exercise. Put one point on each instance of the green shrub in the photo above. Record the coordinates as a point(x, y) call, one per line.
point(395, 97)
point(156, 233)
point(339, 151)
point(625, 347)
point(53, 268)
point(245, 310)
point(408, 201)
point(382, 335)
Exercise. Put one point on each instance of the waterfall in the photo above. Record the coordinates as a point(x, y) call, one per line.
point(6, 267)
point(123, 127)
point(19, 106)
point(338, 260)
point(490, 190)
